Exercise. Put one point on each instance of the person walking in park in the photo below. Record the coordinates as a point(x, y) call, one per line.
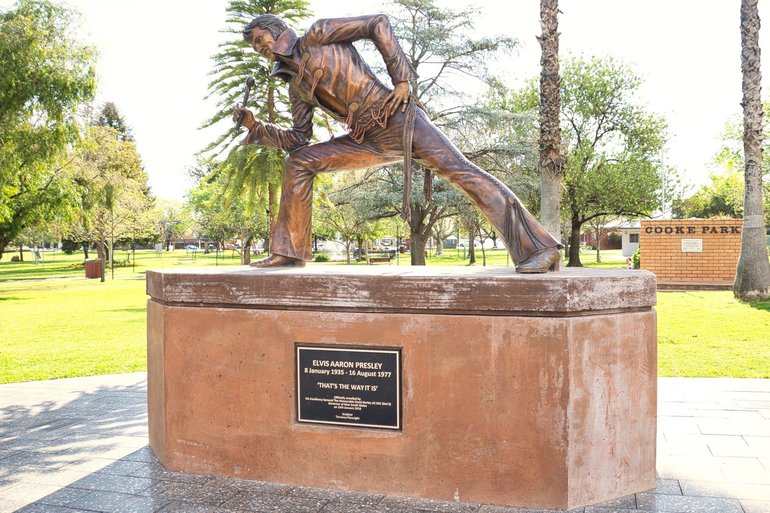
point(323, 69)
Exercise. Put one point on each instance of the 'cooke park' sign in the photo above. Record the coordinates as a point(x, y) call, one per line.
point(694, 250)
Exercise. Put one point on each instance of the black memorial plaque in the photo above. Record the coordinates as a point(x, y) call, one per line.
point(349, 387)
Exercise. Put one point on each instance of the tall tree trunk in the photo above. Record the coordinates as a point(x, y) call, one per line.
point(574, 244)
point(551, 161)
point(246, 250)
point(752, 279)
point(101, 251)
point(471, 245)
point(85, 250)
point(418, 242)
point(21, 252)
point(483, 253)
point(418, 234)
point(4, 241)
point(598, 243)
point(565, 227)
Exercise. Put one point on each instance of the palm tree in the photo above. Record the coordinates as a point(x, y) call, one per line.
point(551, 160)
point(752, 280)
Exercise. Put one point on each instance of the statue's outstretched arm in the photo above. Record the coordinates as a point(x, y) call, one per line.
point(268, 134)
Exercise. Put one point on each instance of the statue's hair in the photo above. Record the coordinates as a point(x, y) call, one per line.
point(272, 24)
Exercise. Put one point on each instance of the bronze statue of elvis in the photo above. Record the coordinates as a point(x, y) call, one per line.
point(324, 70)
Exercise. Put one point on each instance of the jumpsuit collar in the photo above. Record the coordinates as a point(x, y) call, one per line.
point(283, 50)
point(284, 45)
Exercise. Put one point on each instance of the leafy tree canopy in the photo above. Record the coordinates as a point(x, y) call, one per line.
point(612, 144)
point(46, 76)
point(248, 167)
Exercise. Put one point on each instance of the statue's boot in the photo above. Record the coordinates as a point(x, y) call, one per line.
point(541, 262)
point(279, 261)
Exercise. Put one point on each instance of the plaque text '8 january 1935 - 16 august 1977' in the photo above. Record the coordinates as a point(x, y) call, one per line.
point(350, 387)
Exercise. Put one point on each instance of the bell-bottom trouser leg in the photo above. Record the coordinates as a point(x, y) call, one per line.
point(522, 234)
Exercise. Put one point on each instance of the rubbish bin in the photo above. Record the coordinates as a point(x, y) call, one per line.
point(93, 269)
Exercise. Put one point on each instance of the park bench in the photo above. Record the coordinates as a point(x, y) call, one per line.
point(380, 259)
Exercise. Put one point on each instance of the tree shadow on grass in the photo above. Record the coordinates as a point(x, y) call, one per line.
point(138, 309)
point(760, 305)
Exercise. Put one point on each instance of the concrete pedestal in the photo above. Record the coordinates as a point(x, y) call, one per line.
point(534, 391)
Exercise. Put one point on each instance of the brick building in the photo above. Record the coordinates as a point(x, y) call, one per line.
point(691, 250)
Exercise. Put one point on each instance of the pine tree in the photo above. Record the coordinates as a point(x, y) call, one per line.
point(253, 171)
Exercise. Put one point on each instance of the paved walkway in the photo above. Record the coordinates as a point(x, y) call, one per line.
point(80, 445)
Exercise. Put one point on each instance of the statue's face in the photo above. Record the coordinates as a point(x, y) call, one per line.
point(262, 41)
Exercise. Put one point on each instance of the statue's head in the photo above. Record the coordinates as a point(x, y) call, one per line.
point(262, 32)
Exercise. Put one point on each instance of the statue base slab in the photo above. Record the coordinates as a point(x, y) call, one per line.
point(536, 391)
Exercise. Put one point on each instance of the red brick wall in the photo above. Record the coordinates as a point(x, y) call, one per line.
point(661, 247)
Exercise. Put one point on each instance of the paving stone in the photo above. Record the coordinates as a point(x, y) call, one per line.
point(25, 459)
point(693, 468)
point(757, 427)
point(125, 467)
point(192, 493)
point(505, 509)
point(8, 505)
point(63, 496)
point(186, 507)
point(275, 504)
point(678, 425)
point(27, 492)
point(113, 483)
point(429, 505)
point(247, 485)
point(735, 490)
point(685, 504)
point(144, 454)
point(154, 470)
point(352, 507)
point(47, 508)
point(627, 501)
point(610, 509)
point(109, 502)
point(56, 477)
point(337, 496)
point(750, 506)
point(759, 445)
point(667, 487)
point(743, 470)
point(89, 465)
point(686, 444)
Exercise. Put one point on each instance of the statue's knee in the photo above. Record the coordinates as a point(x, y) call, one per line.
point(296, 166)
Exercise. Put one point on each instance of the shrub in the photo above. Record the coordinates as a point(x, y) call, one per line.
point(321, 257)
point(70, 246)
point(636, 258)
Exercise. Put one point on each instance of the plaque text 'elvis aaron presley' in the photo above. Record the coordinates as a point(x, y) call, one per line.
point(349, 387)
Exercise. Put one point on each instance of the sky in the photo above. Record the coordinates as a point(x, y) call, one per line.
point(155, 56)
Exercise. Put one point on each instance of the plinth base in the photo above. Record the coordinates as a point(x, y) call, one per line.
point(535, 391)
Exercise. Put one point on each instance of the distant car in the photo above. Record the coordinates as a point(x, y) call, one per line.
point(191, 247)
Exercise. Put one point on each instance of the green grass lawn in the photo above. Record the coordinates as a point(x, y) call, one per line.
point(499, 258)
point(56, 324)
point(709, 333)
point(56, 264)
